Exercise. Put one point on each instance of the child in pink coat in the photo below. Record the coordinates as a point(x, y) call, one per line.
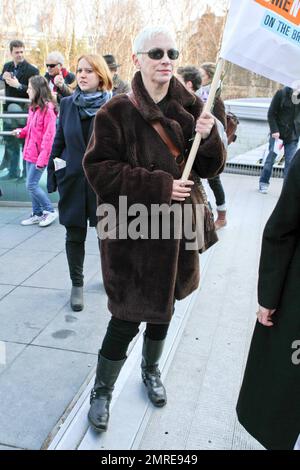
point(39, 134)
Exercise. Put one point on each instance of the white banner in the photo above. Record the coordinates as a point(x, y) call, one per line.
point(264, 36)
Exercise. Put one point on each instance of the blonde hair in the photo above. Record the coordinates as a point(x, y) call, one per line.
point(101, 68)
point(149, 33)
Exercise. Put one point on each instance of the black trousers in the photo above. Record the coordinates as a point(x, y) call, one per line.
point(75, 240)
point(120, 333)
point(217, 188)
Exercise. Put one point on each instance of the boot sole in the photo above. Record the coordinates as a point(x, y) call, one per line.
point(76, 308)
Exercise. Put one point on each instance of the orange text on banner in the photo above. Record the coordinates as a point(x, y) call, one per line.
point(289, 9)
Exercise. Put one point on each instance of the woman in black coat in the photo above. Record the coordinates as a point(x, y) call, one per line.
point(268, 405)
point(77, 201)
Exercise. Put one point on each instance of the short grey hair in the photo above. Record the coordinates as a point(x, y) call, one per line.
point(147, 34)
point(56, 56)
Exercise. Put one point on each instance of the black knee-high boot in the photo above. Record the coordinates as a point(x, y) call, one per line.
point(152, 351)
point(75, 255)
point(101, 395)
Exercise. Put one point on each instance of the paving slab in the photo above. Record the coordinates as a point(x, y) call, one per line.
point(10, 215)
point(5, 289)
point(95, 283)
point(51, 238)
point(10, 238)
point(35, 391)
point(55, 274)
point(25, 312)
point(18, 264)
point(11, 352)
point(78, 331)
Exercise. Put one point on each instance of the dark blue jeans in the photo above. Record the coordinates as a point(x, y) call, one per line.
point(289, 152)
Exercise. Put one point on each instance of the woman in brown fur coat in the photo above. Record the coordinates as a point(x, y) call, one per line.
point(127, 158)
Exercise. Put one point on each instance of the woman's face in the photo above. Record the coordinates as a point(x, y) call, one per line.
point(205, 77)
point(158, 71)
point(87, 79)
point(31, 92)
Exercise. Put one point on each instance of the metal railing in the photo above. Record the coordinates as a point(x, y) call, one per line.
point(10, 115)
point(15, 100)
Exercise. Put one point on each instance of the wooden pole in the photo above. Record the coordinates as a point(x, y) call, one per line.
point(207, 107)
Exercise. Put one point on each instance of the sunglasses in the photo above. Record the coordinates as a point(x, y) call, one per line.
point(157, 53)
point(51, 66)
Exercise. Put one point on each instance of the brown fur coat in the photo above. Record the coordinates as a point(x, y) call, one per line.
point(126, 157)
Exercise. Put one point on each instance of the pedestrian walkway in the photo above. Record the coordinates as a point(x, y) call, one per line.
point(51, 352)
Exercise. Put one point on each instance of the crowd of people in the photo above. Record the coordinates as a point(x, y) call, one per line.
point(100, 139)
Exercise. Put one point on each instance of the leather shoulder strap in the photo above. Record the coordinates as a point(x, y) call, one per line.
point(159, 129)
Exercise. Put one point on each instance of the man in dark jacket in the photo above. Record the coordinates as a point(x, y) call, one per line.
point(284, 122)
point(119, 85)
point(15, 74)
point(58, 77)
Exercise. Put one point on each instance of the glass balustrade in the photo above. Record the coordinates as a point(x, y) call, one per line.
point(13, 114)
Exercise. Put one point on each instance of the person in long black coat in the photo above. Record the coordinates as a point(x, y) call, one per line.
point(269, 401)
point(77, 201)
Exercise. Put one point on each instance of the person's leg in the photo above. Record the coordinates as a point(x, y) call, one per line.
point(289, 153)
point(39, 197)
point(75, 250)
point(48, 212)
point(12, 156)
point(111, 359)
point(216, 185)
point(37, 212)
point(13, 146)
point(118, 336)
point(5, 161)
point(15, 157)
point(218, 190)
point(268, 166)
point(154, 340)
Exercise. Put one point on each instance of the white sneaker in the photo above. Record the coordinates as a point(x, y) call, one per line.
point(33, 219)
point(263, 188)
point(47, 218)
